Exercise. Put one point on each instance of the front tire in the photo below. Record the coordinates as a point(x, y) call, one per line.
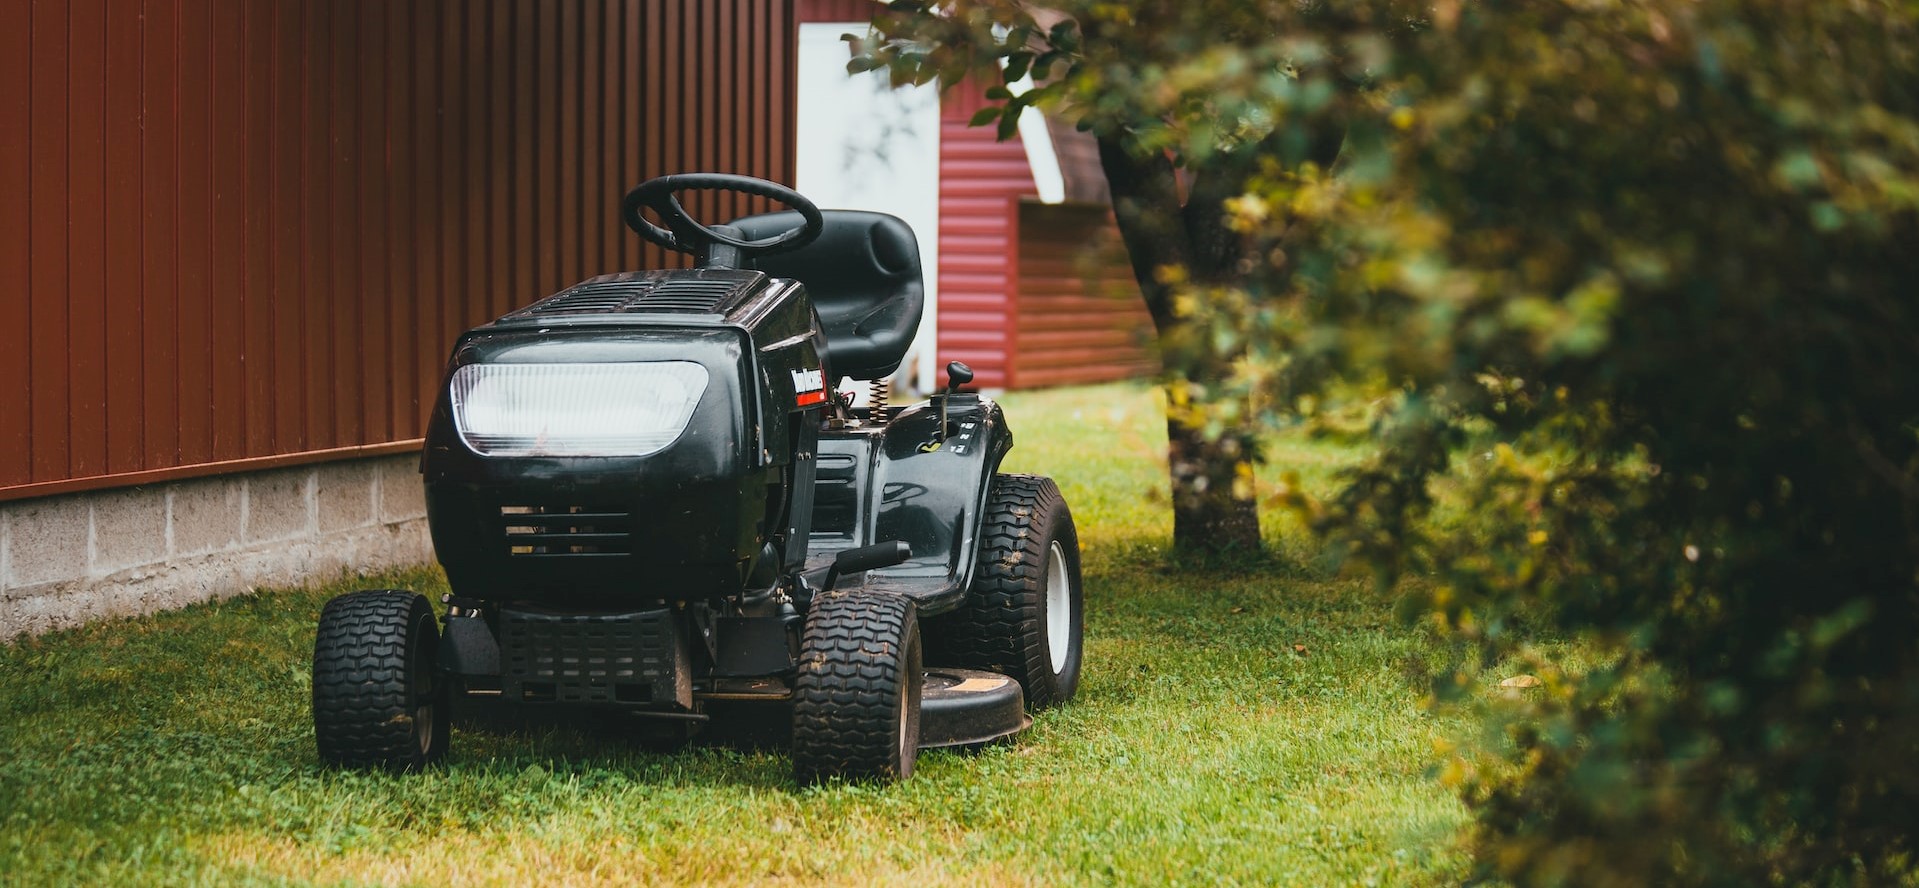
point(379, 700)
point(856, 701)
point(1023, 614)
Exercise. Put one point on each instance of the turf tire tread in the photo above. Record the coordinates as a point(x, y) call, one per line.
point(361, 716)
point(1001, 627)
point(852, 679)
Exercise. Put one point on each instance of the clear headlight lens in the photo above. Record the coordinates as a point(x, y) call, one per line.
point(575, 409)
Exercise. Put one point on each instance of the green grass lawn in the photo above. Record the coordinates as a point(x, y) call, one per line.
point(1231, 728)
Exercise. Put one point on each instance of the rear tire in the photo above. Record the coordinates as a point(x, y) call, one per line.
point(1023, 615)
point(378, 697)
point(856, 701)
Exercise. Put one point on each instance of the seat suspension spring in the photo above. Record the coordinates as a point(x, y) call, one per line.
point(877, 393)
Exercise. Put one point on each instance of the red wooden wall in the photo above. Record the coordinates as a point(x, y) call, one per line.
point(238, 233)
point(1030, 294)
point(839, 10)
point(981, 180)
point(1077, 316)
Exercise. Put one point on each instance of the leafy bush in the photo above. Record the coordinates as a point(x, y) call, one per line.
point(1645, 279)
point(1642, 277)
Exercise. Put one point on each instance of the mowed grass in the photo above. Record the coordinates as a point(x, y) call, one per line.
point(1233, 727)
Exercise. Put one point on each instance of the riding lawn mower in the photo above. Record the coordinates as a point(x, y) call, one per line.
point(653, 502)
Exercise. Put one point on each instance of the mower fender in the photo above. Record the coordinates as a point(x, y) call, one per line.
point(923, 487)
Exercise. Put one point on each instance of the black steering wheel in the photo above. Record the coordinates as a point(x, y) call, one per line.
point(687, 235)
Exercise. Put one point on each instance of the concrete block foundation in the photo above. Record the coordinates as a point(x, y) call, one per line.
point(66, 560)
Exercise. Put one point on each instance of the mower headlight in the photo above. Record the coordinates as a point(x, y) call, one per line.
point(575, 409)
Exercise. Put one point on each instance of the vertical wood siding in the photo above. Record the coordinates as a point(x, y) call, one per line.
point(981, 180)
point(1078, 317)
point(839, 10)
point(239, 232)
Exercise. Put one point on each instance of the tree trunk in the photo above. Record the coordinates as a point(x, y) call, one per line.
point(1214, 509)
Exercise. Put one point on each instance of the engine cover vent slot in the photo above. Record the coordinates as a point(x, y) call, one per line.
point(836, 496)
point(594, 298)
point(697, 295)
point(696, 291)
point(565, 532)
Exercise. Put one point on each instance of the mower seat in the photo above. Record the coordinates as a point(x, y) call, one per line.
point(863, 274)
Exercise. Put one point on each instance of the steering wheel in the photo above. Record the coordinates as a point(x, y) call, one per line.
point(687, 235)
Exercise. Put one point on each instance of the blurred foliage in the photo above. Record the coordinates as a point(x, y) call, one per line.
point(1642, 282)
point(1190, 105)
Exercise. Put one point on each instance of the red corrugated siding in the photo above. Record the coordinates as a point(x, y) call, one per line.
point(839, 10)
point(245, 233)
point(17, 65)
point(981, 180)
point(46, 206)
point(1076, 306)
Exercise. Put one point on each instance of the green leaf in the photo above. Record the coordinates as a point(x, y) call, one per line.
point(1009, 120)
point(1065, 35)
point(985, 116)
point(1017, 65)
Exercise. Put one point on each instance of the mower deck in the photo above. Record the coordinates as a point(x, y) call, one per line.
point(960, 708)
point(969, 707)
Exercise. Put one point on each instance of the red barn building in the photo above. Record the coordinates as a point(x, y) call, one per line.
point(1034, 292)
point(1030, 286)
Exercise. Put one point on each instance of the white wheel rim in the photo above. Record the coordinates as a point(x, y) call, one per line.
point(905, 753)
point(1059, 608)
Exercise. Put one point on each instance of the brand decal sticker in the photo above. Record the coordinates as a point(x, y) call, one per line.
point(809, 388)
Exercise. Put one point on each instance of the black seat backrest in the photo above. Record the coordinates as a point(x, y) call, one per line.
point(863, 274)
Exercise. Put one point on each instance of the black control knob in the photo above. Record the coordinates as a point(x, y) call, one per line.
point(957, 374)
